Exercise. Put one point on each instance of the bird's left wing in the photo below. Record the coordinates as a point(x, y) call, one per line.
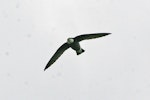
point(90, 36)
point(57, 54)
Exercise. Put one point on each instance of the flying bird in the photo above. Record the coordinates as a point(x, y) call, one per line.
point(74, 44)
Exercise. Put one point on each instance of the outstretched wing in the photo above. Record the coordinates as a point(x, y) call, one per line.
point(90, 36)
point(57, 54)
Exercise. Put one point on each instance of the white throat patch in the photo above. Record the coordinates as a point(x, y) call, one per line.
point(70, 40)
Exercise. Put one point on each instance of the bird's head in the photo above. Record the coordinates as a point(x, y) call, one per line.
point(70, 40)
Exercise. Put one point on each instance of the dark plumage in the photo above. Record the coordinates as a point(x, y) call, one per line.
point(74, 44)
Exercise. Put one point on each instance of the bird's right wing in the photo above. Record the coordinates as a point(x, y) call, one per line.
point(57, 54)
point(90, 36)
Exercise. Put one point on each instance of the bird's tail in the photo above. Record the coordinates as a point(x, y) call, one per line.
point(80, 51)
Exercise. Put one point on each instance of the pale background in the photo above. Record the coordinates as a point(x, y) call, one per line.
point(115, 67)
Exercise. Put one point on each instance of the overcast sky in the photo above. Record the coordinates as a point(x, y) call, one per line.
point(115, 67)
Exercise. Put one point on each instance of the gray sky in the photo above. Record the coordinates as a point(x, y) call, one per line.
point(115, 67)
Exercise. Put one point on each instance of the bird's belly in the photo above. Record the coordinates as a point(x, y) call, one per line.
point(75, 46)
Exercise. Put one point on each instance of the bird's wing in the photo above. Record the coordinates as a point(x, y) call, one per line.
point(90, 36)
point(57, 54)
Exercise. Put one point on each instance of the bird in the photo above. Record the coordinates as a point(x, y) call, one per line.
point(74, 44)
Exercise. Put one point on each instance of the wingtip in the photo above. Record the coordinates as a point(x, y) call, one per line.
point(105, 34)
point(108, 33)
point(45, 68)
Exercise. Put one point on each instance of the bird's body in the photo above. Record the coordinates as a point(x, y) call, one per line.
point(74, 44)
